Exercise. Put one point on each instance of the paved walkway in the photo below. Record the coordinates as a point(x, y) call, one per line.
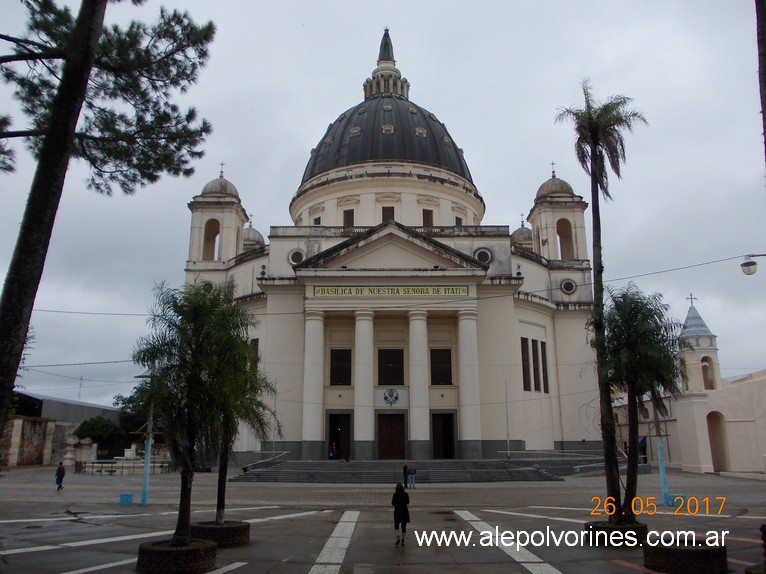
point(322, 528)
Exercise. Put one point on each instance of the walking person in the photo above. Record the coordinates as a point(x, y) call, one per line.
point(400, 501)
point(60, 472)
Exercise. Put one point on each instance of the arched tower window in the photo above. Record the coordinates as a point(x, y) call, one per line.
point(211, 247)
point(566, 245)
point(707, 373)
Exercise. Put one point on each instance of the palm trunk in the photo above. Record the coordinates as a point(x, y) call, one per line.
point(608, 433)
point(223, 469)
point(26, 268)
point(182, 534)
point(760, 18)
point(631, 479)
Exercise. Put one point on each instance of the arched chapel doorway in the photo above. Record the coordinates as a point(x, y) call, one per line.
point(716, 429)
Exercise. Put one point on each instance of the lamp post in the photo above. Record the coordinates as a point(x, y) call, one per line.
point(749, 267)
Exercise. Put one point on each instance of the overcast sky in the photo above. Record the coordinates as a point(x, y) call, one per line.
point(496, 74)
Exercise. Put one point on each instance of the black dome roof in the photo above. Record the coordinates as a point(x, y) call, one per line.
point(386, 128)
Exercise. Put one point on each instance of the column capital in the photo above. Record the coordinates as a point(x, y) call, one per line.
point(468, 314)
point(364, 314)
point(314, 314)
point(418, 314)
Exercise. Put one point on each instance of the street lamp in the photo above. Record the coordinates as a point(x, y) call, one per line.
point(749, 267)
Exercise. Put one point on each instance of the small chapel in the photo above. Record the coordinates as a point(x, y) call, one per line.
point(393, 323)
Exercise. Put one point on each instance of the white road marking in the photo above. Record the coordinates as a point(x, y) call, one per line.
point(558, 518)
point(530, 561)
point(229, 568)
point(102, 567)
point(90, 542)
point(123, 515)
point(331, 557)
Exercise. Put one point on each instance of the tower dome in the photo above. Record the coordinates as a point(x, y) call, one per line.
point(554, 186)
point(220, 186)
point(523, 236)
point(386, 126)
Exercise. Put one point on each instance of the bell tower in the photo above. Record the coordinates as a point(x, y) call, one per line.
point(702, 366)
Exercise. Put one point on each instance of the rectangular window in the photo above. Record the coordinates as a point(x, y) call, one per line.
point(544, 359)
point(348, 218)
point(428, 218)
point(458, 222)
point(536, 364)
point(317, 221)
point(390, 367)
point(525, 364)
point(441, 366)
point(387, 214)
point(340, 367)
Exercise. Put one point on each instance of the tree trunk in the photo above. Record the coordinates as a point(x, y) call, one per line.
point(631, 479)
point(28, 261)
point(182, 535)
point(608, 433)
point(760, 19)
point(223, 469)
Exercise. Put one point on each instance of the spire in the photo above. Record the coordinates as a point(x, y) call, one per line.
point(386, 78)
point(386, 49)
point(694, 326)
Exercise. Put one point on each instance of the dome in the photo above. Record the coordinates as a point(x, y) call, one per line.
point(252, 235)
point(386, 126)
point(220, 186)
point(554, 186)
point(522, 236)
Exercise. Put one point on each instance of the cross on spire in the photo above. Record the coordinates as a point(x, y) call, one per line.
point(691, 298)
point(522, 219)
point(221, 174)
point(553, 169)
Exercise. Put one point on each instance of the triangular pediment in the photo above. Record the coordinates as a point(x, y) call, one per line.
point(395, 247)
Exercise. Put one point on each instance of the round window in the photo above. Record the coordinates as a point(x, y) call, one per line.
point(568, 286)
point(296, 257)
point(483, 255)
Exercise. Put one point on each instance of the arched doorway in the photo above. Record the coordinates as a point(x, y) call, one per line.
point(716, 430)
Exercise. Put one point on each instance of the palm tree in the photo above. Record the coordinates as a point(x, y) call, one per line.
point(241, 399)
point(599, 138)
point(196, 346)
point(643, 350)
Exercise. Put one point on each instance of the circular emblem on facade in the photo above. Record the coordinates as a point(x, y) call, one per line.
point(568, 286)
point(391, 396)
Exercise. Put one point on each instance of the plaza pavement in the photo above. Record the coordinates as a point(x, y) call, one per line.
point(345, 529)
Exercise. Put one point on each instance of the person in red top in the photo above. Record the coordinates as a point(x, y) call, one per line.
point(400, 501)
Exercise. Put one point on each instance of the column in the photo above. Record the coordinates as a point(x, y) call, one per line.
point(364, 378)
point(313, 386)
point(469, 436)
point(420, 445)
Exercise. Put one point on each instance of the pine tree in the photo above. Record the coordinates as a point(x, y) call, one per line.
point(98, 94)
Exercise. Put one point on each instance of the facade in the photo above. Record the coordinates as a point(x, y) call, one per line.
point(392, 322)
point(718, 425)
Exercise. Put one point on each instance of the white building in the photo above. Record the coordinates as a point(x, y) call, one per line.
point(718, 425)
point(392, 322)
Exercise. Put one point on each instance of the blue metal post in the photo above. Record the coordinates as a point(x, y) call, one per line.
point(147, 460)
point(663, 476)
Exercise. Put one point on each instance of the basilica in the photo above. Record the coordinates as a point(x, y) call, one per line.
point(395, 325)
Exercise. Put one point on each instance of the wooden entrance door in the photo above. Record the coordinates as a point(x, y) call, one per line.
point(391, 436)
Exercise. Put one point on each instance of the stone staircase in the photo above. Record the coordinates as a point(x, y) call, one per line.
point(390, 471)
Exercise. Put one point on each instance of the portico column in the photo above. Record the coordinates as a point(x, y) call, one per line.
point(418, 379)
point(364, 378)
point(313, 386)
point(469, 436)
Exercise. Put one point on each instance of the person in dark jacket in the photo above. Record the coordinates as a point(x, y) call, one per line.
point(60, 472)
point(400, 501)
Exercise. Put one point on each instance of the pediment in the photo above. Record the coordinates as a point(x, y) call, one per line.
point(392, 246)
